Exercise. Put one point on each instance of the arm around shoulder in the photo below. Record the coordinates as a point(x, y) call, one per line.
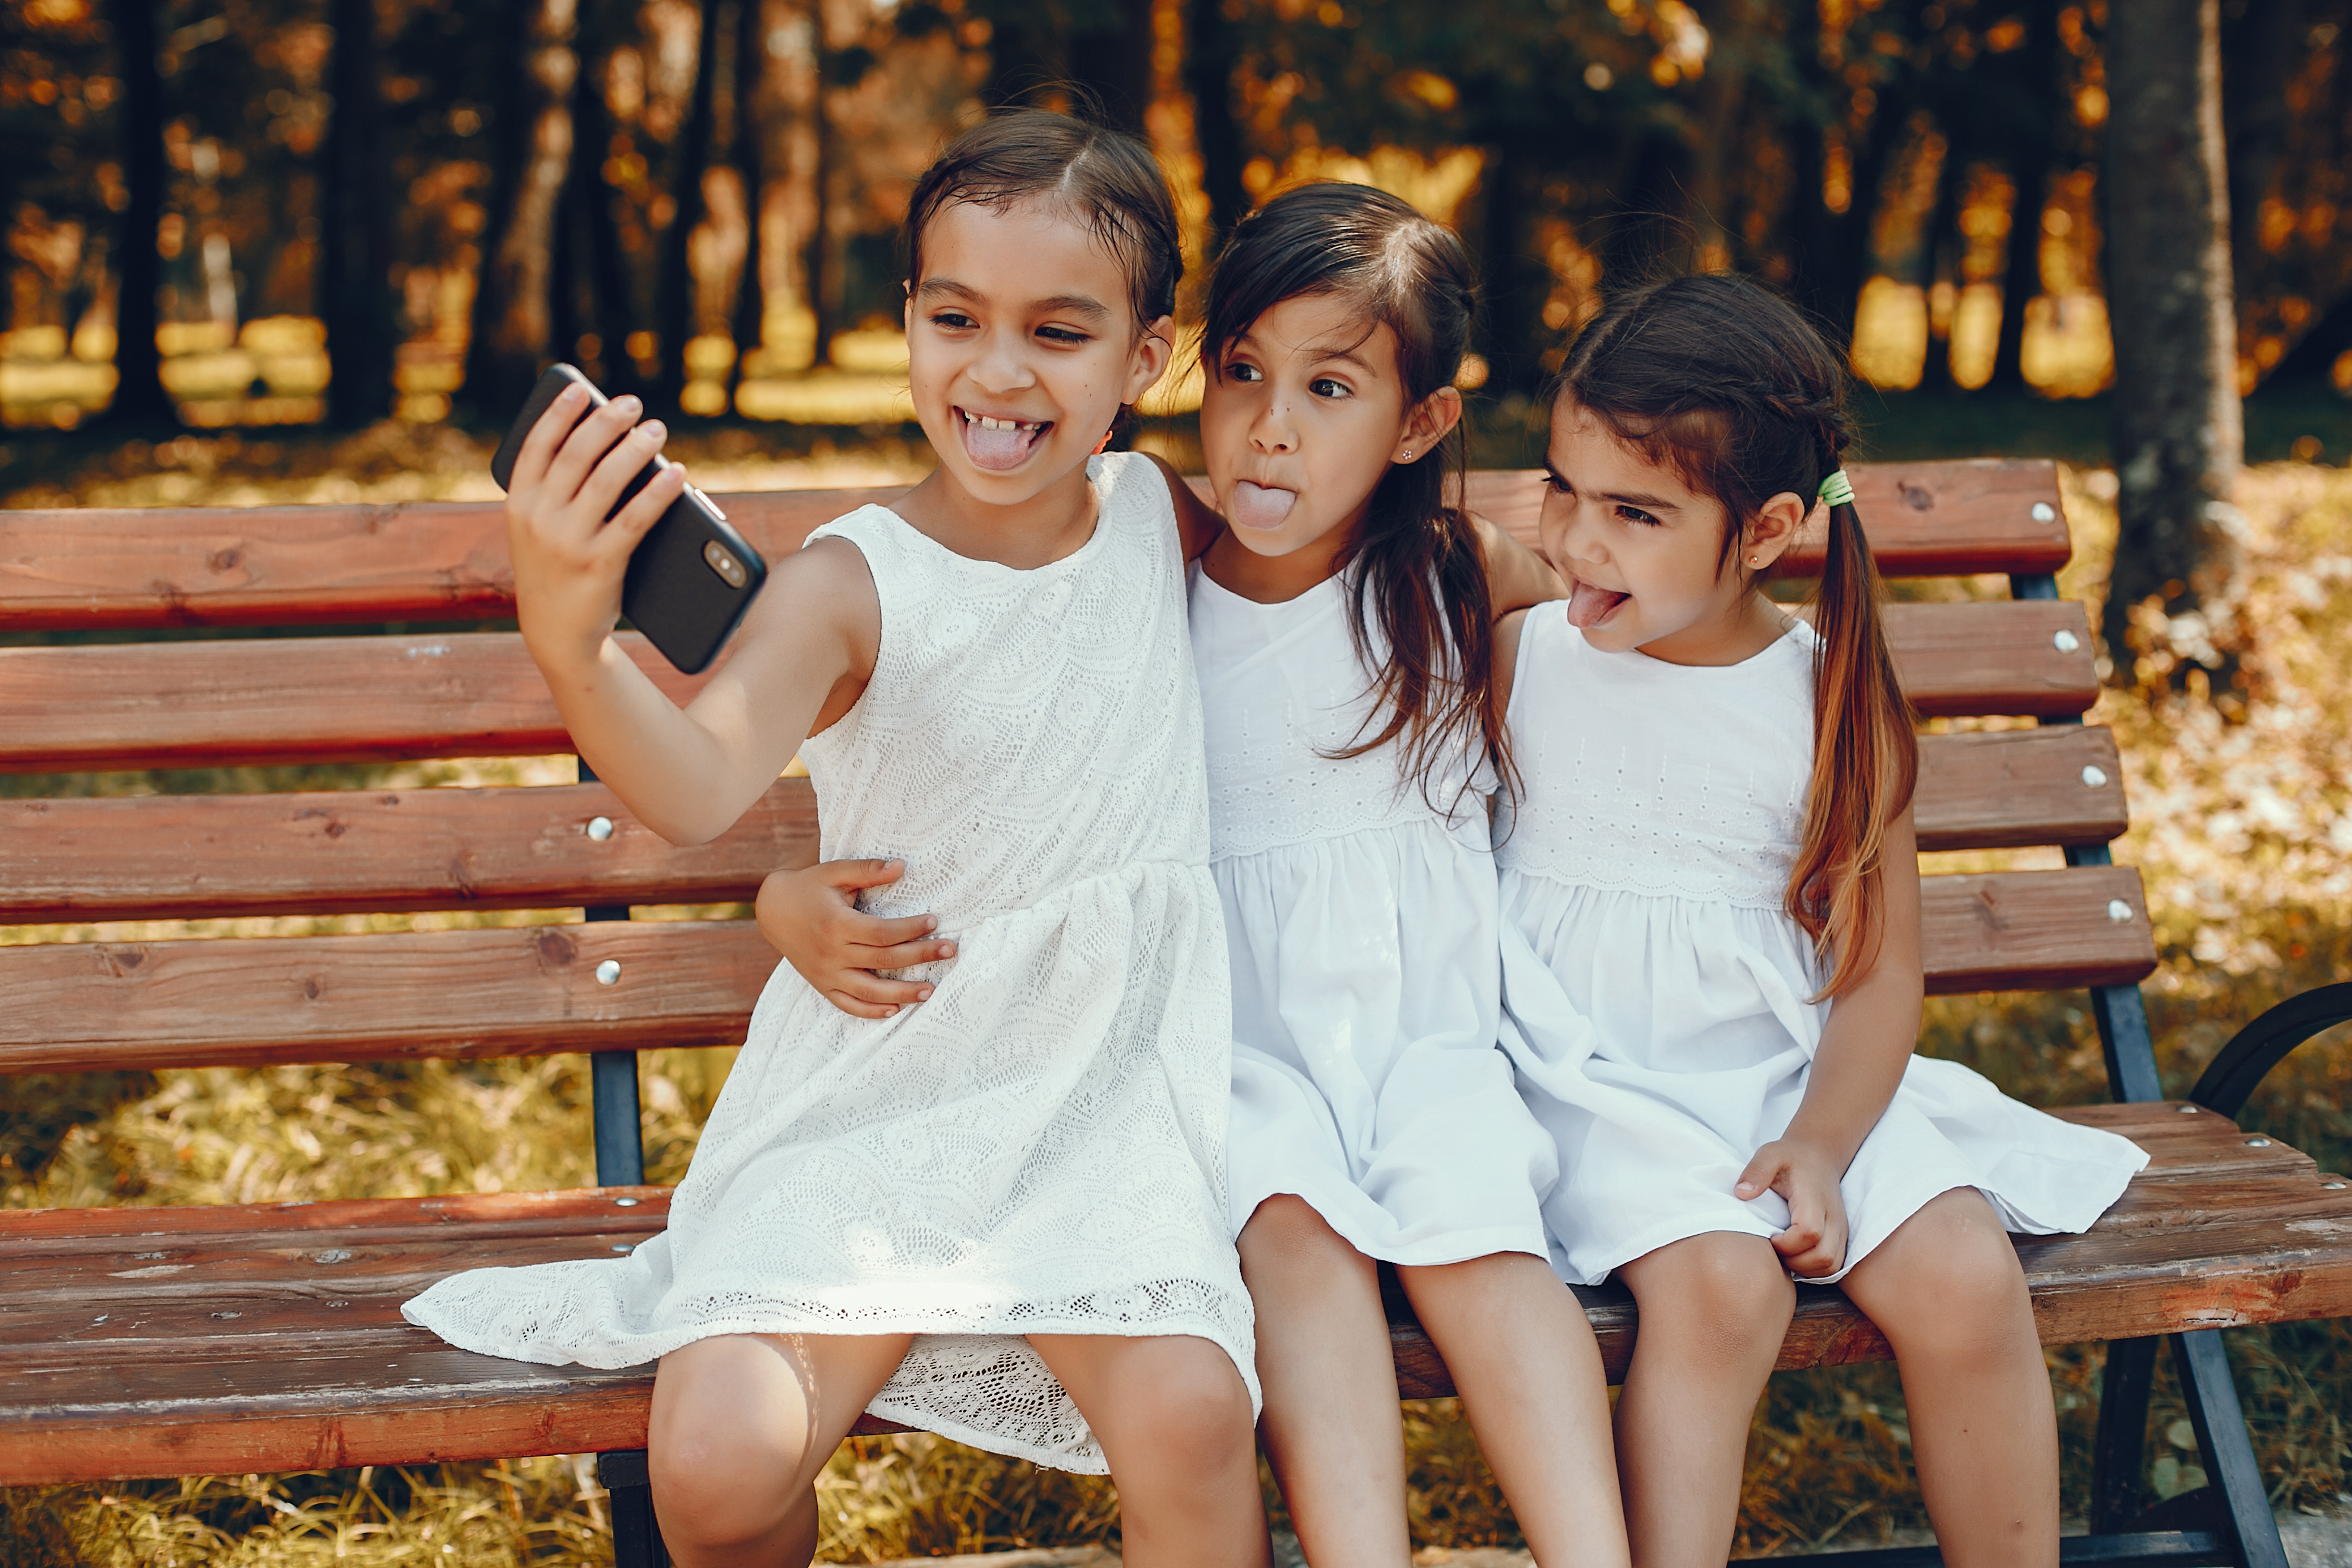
point(1517, 576)
point(1197, 522)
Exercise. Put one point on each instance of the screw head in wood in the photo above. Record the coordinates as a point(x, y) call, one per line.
point(2095, 776)
point(2333, 1187)
point(2044, 512)
point(2187, 1111)
point(623, 1246)
point(599, 828)
point(609, 972)
point(2258, 1142)
point(2065, 642)
point(2117, 911)
point(626, 1203)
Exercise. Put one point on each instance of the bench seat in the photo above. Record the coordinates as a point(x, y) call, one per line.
point(163, 1342)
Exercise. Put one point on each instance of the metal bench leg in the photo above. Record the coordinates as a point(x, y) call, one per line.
point(2122, 1442)
point(2227, 1447)
point(636, 1535)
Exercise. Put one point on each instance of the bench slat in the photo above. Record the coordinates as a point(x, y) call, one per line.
point(371, 699)
point(357, 851)
point(529, 990)
point(520, 990)
point(297, 565)
point(317, 1368)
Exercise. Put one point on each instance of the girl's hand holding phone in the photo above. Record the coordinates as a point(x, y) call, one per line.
point(569, 556)
point(1815, 1241)
point(811, 916)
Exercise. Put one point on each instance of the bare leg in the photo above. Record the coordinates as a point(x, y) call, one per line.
point(742, 1424)
point(1946, 1291)
point(1715, 1308)
point(1330, 1426)
point(1172, 1415)
point(1528, 1370)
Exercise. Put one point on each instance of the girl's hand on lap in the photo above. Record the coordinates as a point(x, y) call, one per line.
point(1814, 1242)
point(811, 917)
point(569, 559)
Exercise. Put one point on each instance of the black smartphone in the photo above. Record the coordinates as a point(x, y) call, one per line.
point(691, 577)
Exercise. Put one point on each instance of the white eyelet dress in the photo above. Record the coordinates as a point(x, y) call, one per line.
point(1363, 926)
point(1658, 990)
point(1039, 1148)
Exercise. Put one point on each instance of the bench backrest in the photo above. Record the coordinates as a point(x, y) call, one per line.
point(168, 699)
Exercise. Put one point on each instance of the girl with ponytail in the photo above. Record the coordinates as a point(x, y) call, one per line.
point(1710, 894)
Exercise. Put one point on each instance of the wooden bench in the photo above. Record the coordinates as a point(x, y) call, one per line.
point(147, 1342)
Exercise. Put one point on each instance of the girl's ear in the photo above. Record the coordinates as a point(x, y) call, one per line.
point(1773, 531)
point(1147, 362)
point(1431, 421)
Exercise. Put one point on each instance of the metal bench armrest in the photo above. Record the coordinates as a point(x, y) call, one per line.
point(2241, 1064)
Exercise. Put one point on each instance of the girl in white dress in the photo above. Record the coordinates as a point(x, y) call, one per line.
point(1341, 629)
point(1711, 900)
point(1000, 1216)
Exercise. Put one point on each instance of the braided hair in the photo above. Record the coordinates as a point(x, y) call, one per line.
point(1729, 386)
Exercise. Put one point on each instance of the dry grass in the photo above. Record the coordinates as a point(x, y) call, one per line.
point(2243, 830)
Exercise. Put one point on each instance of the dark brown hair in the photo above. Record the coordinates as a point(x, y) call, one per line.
point(1418, 571)
point(1104, 177)
point(1729, 385)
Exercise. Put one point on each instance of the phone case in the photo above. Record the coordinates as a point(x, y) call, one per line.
point(691, 577)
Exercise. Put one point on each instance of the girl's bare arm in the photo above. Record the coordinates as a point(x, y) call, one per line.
point(1865, 1046)
point(1197, 522)
point(800, 658)
point(1517, 576)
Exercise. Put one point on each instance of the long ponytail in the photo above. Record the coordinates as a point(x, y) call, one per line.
point(1728, 384)
point(1865, 763)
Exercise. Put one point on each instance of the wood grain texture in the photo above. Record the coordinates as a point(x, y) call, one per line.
point(267, 1337)
point(2039, 930)
point(301, 565)
point(357, 851)
point(376, 699)
point(523, 990)
point(528, 990)
point(349, 851)
point(2006, 788)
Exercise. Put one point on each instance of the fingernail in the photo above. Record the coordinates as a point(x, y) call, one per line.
point(654, 428)
point(930, 923)
point(890, 1012)
point(627, 403)
point(947, 950)
point(926, 996)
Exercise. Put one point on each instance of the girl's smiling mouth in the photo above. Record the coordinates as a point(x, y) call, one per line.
point(996, 444)
point(1260, 507)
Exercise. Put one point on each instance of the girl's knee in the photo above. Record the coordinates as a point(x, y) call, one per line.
point(1947, 1282)
point(1286, 1237)
point(727, 1440)
point(1720, 1291)
point(1185, 1405)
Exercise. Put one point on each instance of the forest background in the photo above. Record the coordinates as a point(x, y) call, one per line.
point(317, 249)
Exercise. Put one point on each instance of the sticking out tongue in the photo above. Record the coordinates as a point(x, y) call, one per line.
point(1589, 606)
point(1259, 506)
point(1000, 448)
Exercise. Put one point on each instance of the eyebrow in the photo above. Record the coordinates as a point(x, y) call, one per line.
point(1058, 304)
point(1629, 498)
point(1316, 355)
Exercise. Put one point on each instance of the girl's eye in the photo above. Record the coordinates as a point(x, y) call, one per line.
point(1635, 514)
point(1241, 370)
point(1061, 335)
point(1324, 386)
point(952, 321)
point(1559, 486)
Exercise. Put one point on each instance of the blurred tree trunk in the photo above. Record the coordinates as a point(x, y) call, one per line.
point(604, 269)
point(139, 400)
point(751, 156)
point(2178, 435)
point(816, 267)
point(1510, 331)
point(2032, 138)
point(674, 321)
point(1939, 240)
point(1649, 234)
point(1211, 54)
point(1112, 58)
point(355, 257)
point(533, 128)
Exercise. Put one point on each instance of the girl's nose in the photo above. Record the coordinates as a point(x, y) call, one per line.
point(1272, 430)
point(1002, 365)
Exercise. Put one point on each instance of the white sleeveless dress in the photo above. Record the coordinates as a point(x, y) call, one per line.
point(1037, 1148)
point(1658, 988)
point(1363, 929)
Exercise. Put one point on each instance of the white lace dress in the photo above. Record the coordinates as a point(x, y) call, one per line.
point(1040, 1147)
point(1658, 989)
point(1363, 925)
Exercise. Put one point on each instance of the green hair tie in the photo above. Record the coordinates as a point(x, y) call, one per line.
point(1837, 489)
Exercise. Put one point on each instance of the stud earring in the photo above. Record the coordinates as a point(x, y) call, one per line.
point(1408, 454)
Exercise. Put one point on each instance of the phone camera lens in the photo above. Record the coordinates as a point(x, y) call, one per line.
point(724, 563)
